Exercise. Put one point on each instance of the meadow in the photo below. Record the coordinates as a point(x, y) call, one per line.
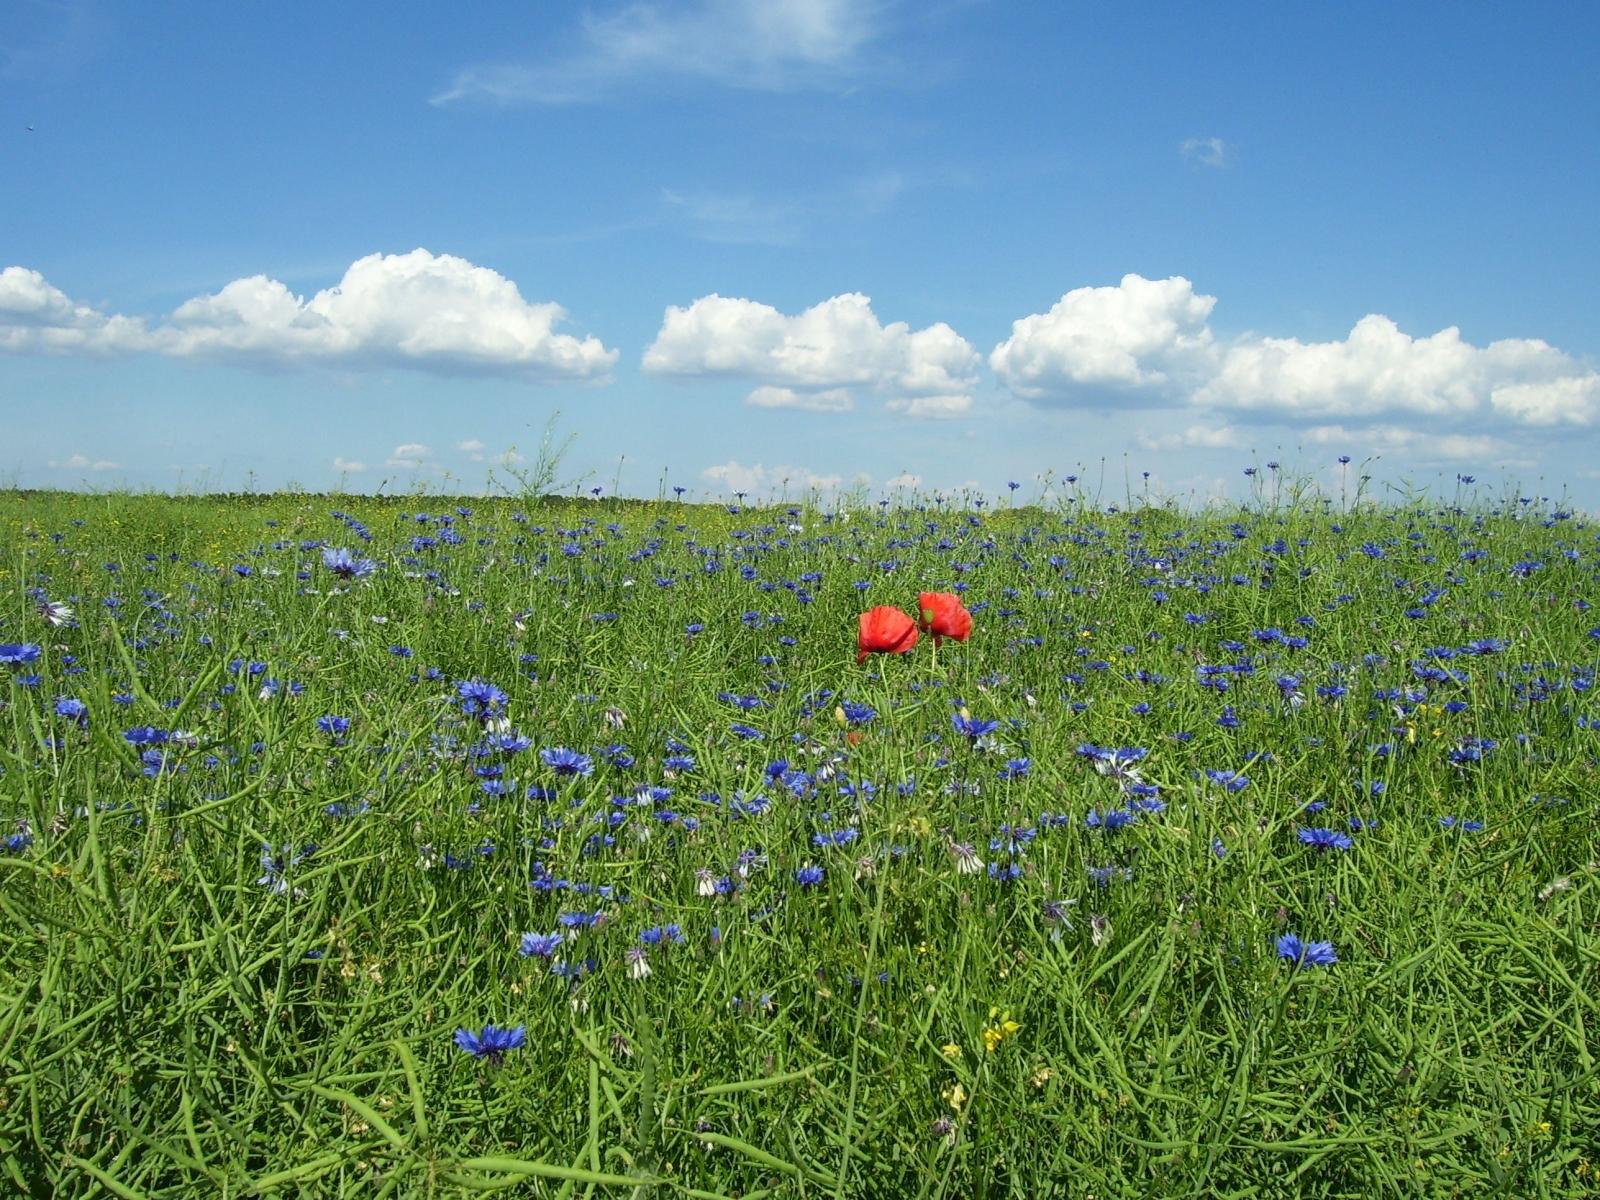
point(435, 846)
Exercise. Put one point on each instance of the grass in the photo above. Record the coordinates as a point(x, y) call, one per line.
point(183, 1012)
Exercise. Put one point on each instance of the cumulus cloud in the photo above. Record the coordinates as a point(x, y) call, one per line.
point(812, 359)
point(349, 465)
point(408, 454)
point(82, 462)
point(1378, 369)
point(733, 476)
point(936, 408)
point(437, 313)
point(755, 44)
point(1144, 341)
point(1147, 342)
point(903, 480)
point(1208, 152)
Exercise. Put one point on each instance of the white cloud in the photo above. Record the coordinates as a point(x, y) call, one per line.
point(1208, 152)
point(35, 316)
point(903, 480)
point(733, 476)
point(1149, 342)
point(349, 465)
point(470, 446)
point(408, 454)
point(809, 359)
point(433, 312)
point(1570, 400)
point(1143, 341)
point(1198, 436)
point(1379, 370)
point(755, 44)
point(829, 400)
point(82, 462)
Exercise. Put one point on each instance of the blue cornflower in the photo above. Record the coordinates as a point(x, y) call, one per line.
point(73, 709)
point(972, 727)
point(347, 565)
point(1325, 839)
point(857, 714)
point(480, 699)
point(1233, 781)
point(492, 1043)
point(336, 726)
point(747, 732)
point(1015, 768)
point(1306, 954)
point(567, 762)
point(539, 945)
point(808, 875)
point(19, 652)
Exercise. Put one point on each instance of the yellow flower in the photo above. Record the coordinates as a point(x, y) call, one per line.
point(1041, 1076)
point(955, 1096)
point(951, 1051)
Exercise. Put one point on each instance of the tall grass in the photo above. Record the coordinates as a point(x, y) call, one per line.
point(195, 1002)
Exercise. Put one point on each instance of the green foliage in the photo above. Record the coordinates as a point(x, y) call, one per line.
point(172, 1025)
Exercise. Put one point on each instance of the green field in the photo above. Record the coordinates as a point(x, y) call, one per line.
point(1007, 916)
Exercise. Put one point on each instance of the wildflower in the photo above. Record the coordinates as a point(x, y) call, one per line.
point(638, 962)
point(1306, 954)
point(967, 860)
point(955, 1096)
point(72, 709)
point(482, 700)
point(1325, 839)
point(884, 630)
point(347, 565)
point(27, 652)
point(492, 1043)
point(567, 762)
point(998, 1032)
point(1100, 930)
point(944, 616)
point(951, 1051)
point(55, 612)
point(809, 875)
point(539, 945)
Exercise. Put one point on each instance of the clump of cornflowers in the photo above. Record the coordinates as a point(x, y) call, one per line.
point(345, 565)
point(1306, 954)
point(72, 709)
point(492, 1043)
point(19, 653)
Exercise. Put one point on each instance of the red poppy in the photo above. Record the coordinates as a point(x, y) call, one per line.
point(944, 616)
point(885, 630)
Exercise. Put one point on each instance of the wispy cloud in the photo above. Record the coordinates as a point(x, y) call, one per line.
point(770, 45)
point(745, 218)
point(1208, 152)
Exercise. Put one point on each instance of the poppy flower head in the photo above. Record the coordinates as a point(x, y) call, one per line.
point(885, 630)
point(944, 616)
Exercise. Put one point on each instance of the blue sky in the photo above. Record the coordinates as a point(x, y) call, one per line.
point(798, 243)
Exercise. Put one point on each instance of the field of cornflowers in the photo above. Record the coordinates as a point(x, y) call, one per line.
point(420, 847)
